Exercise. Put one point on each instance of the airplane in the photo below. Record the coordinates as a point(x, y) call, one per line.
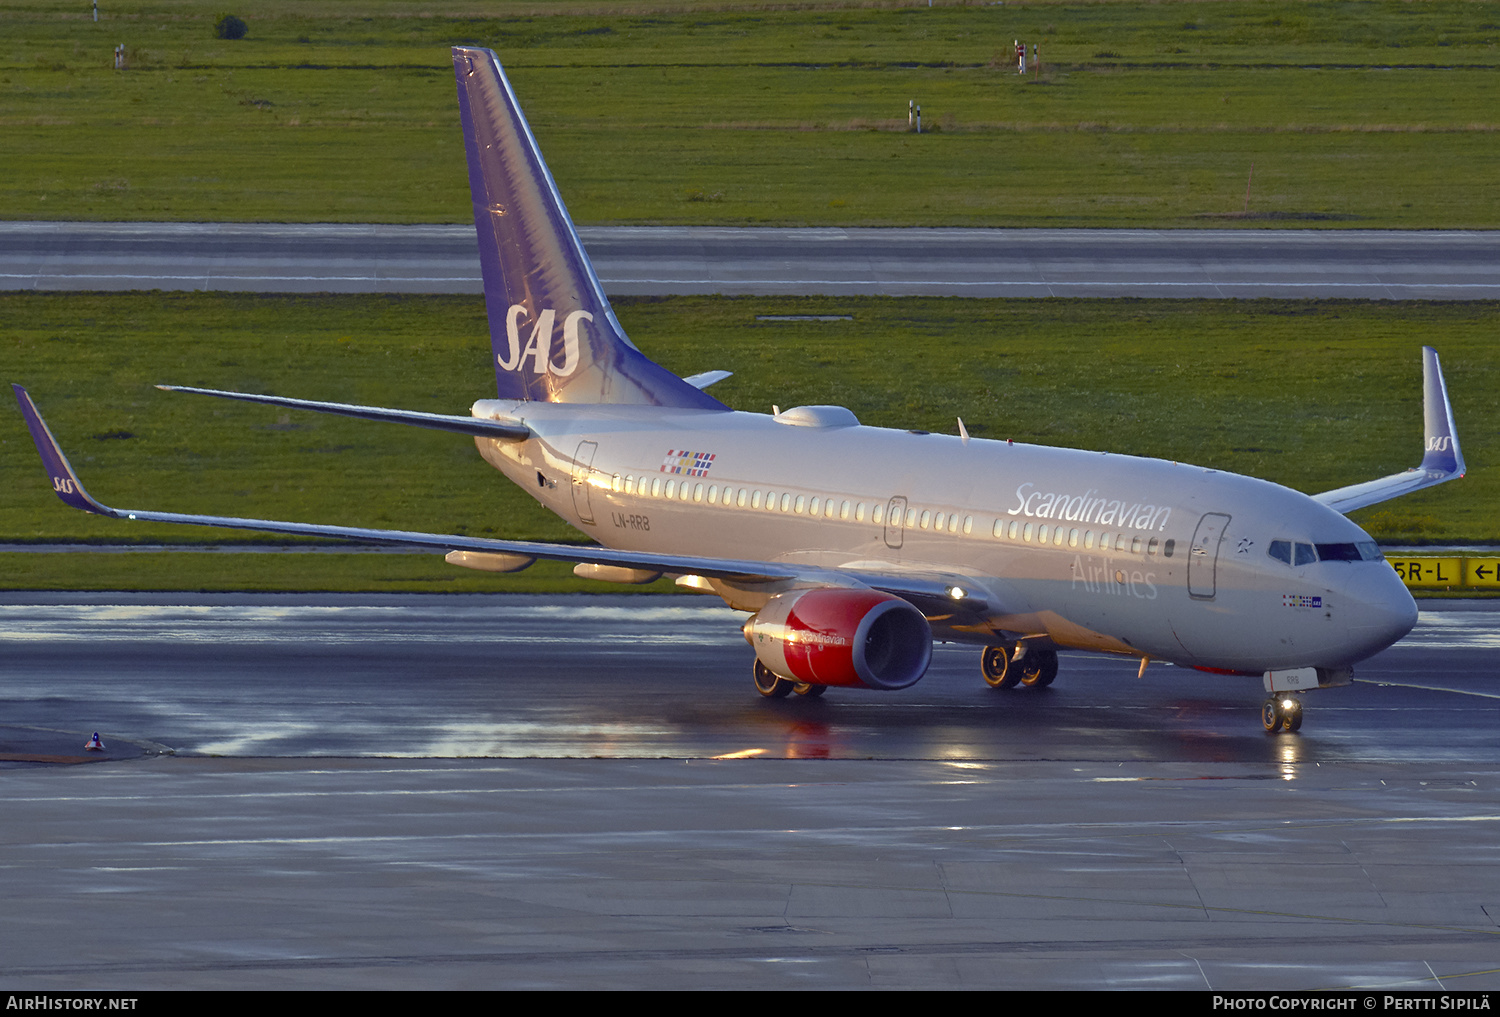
point(855, 548)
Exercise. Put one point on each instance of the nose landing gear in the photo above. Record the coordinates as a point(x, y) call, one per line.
point(1281, 712)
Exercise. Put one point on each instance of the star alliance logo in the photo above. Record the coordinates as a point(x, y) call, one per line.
point(694, 464)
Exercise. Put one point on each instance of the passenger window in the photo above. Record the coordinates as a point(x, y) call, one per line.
point(1305, 554)
point(683, 493)
point(859, 512)
point(1151, 547)
point(1281, 550)
point(877, 515)
point(1088, 538)
point(1042, 533)
point(1104, 542)
point(938, 520)
point(968, 524)
point(698, 492)
point(1168, 547)
point(911, 517)
point(813, 506)
point(713, 494)
point(655, 486)
point(799, 505)
point(1026, 533)
point(671, 488)
point(1057, 536)
point(1135, 545)
point(953, 523)
point(844, 511)
point(1073, 538)
point(1014, 527)
point(755, 499)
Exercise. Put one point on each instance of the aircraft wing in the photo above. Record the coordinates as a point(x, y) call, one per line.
point(478, 426)
point(924, 589)
point(1442, 460)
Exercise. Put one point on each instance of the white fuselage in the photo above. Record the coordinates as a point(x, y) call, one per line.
point(1086, 549)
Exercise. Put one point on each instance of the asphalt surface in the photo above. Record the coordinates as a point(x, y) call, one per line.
point(504, 791)
point(1375, 264)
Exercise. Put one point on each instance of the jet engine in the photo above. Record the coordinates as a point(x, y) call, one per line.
point(854, 638)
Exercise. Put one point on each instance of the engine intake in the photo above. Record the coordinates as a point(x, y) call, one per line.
point(853, 638)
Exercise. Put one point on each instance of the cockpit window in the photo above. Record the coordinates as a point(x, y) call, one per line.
point(1305, 554)
point(1365, 550)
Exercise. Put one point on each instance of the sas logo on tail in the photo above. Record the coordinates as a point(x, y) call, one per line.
point(538, 348)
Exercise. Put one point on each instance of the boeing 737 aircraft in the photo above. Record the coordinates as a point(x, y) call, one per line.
point(852, 547)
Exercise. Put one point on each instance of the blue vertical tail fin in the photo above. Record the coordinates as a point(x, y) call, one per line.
point(554, 336)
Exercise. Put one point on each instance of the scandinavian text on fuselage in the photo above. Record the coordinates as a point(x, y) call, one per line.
point(1088, 508)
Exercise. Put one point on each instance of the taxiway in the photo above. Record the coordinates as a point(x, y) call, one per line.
point(505, 791)
point(269, 257)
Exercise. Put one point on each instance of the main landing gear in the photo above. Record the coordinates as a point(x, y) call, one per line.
point(1034, 668)
point(1281, 712)
point(771, 685)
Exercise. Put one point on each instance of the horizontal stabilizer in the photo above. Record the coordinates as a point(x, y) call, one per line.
point(1442, 460)
point(512, 430)
point(707, 378)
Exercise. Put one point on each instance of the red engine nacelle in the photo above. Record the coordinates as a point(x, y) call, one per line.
point(858, 638)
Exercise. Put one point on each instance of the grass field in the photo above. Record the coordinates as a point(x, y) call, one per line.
point(1310, 394)
point(1352, 113)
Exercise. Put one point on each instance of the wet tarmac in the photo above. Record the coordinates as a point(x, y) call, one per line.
point(500, 791)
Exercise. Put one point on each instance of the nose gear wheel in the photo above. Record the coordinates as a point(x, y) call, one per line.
point(1281, 713)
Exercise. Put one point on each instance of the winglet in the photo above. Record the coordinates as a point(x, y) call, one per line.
point(1443, 454)
point(1441, 459)
point(64, 481)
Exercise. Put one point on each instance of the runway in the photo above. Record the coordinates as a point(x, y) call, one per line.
point(652, 261)
point(505, 791)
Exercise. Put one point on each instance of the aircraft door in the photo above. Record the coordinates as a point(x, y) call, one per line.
point(1203, 556)
point(895, 521)
point(583, 467)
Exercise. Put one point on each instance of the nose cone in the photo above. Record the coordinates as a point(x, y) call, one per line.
point(1380, 611)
